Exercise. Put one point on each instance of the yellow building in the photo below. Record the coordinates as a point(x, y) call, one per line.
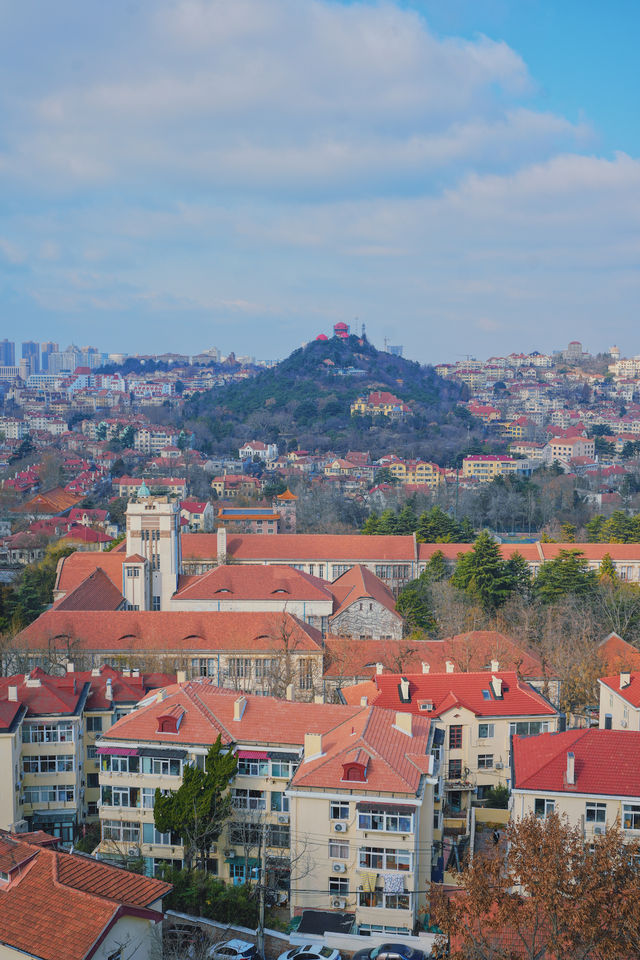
point(380, 403)
point(486, 467)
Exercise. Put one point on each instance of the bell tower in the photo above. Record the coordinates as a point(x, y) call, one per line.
point(153, 533)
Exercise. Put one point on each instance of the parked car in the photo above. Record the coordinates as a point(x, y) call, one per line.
point(390, 951)
point(233, 950)
point(311, 951)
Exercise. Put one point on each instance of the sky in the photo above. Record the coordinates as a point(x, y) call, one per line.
point(463, 177)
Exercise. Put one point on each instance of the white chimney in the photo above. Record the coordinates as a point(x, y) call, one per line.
point(379, 668)
point(109, 689)
point(95, 672)
point(13, 694)
point(449, 666)
point(425, 667)
point(318, 698)
point(625, 680)
point(239, 706)
point(571, 768)
point(181, 676)
point(135, 673)
point(496, 683)
point(70, 666)
point(364, 701)
point(404, 690)
point(403, 723)
point(126, 671)
point(289, 692)
point(221, 543)
point(495, 666)
point(312, 745)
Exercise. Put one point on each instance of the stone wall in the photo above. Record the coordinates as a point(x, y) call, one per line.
point(367, 619)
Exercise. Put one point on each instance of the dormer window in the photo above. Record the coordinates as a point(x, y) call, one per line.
point(354, 771)
point(170, 721)
point(425, 704)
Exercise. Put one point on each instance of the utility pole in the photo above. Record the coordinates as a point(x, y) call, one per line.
point(262, 889)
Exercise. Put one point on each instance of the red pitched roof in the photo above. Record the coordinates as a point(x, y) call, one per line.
point(320, 546)
point(616, 654)
point(630, 693)
point(606, 762)
point(59, 904)
point(97, 592)
point(359, 583)
point(72, 570)
point(44, 695)
point(232, 581)
point(447, 690)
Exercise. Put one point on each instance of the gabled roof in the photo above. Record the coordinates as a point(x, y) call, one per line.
point(395, 761)
point(97, 592)
point(445, 690)
point(322, 547)
point(616, 654)
point(44, 695)
point(232, 581)
point(606, 762)
point(357, 584)
point(50, 501)
point(75, 568)
point(630, 692)
point(58, 905)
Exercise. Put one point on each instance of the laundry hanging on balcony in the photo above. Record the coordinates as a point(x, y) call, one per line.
point(393, 882)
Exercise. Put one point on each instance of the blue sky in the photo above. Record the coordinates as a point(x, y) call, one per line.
point(464, 177)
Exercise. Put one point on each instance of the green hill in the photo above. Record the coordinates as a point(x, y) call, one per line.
point(305, 401)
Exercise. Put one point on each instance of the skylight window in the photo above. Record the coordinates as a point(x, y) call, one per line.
point(486, 694)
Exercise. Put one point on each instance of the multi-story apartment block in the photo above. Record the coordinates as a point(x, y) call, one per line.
point(567, 448)
point(342, 795)
point(589, 776)
point(476, 713)
point(485, 467)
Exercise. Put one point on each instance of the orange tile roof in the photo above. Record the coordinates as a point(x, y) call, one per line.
point(232, 581)
point(630, 693)
point(208, 711)
point(616, 654)
point(75, 568)
point(52, 696)
point(51, 501)
point(59, 904)
point(169, 630)
point(318, 546)
point(97, 592)
point(358, 583)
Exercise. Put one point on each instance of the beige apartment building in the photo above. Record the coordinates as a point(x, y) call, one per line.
point(342, 795)
point(590, 776)
point(620, 701)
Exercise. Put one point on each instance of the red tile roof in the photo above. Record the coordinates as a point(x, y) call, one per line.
point(394, 760)
point(72, 570)
point(97, 592)
point(166, 631)
point(447, 690)
point(606, 762)
point(229, 582)
point(616, 654)
point(319, 546)
point(60, 904)
point(630, 693)
point(359, 583)
point(44, 695)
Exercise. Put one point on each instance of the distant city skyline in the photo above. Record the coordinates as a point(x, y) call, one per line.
point(462, 177)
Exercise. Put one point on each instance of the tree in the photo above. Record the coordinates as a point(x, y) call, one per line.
point(198, 809)
point(519, 574)
point(483, 574)
point(567, 573)
point(607, 570)
point(552, 895)
point(568, 532)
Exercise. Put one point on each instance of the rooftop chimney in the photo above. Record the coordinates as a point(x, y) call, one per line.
point(181, 676)
point(109, 689)
point(425, 667)
point(221, 544)
point(404, 690)
point(403, 723)
point(449, 666)
point(239, 706)
point(135, 673)
point(312, 745)
point(95, 672)
point(13, 694)
point(571, 768)
point(495, 666)
point(496, 684)
point(126, 671)
point(379, 668)
point(364, 701)
point(289, 692)
point(318, 698)
point(625, 680)
point(70, 666)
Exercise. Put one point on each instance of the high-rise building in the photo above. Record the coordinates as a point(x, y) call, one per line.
point(48, 348)
point(31, 352)
point(64, 361)
point(7, 353)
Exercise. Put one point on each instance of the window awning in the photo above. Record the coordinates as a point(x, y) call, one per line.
point(252, 755)
point(385, 807)
point(119, 751)
point(161, 753)
point(251, 862)
point(290, 757)
point(53, 816)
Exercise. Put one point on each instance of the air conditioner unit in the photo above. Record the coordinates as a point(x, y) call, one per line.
point(624, 723)
point(132, 852)
point(340, 827)
point(229, 853)
point(499, 765)
point(597, 830)
point(283, 818)
point(339, 868)
point(338, 903)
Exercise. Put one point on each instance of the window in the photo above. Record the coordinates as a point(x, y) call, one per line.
point(306, 674)
point(339, 849)
point(133, 571)
point(631, 816)
point(386, 820)
point(529, 728)
point(264, 668)
point(151, 835)
point(47, 733)
point(92, 809)
point(278, 835)
point(339, 568)
point(485, 761)
point(380, 858)
point(338, 811)
point(155, 602)
point(94, 724)
point(596, 812)
point(279, 802)
point(543, 807)
point(161, 766)
point(339, 886)
point(93, 781)
point(92, 752)
point(281, 769)
point(53, 764)
point(148, 798)
point(486, 731)
point(455, 769)
point(239, 667)
point(111, 764)
point(253, 768)
point(389, 901)
point(203, 667)
point(249, 799)
point(57, 793)
point(455, 737)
